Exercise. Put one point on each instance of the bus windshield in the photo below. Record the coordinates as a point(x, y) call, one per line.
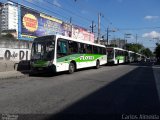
point(43, 49)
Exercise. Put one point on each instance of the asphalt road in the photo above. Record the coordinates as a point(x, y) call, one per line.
point(111, 92)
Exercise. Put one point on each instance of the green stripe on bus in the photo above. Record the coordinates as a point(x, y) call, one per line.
point(79, 58)
point(120, 58)
point(67, 59)
point(40, 63)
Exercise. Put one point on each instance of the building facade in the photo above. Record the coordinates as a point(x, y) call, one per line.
point(119, 43)
point(9, 16)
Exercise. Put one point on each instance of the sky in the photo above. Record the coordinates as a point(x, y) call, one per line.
point(139, 18)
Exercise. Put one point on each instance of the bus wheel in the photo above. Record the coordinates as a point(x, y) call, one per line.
point(97, 64)
point(71, 68)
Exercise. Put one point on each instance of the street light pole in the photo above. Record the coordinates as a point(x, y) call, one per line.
point(126, 35)
point(92, 26)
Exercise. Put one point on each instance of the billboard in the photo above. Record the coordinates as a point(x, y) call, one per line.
point(82, 33)
point(33, 24)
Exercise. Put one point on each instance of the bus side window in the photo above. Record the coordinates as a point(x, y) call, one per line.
point(116, 53)
point(95, 49)
point(85, 48)
point(104, 51)
point(61, 48)
point(82, 48)
point(100, 50)
point(73, 47)
point(89, 49)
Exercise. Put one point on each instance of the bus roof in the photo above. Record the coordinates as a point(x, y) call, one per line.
point(69, 38)
point(116, 48)
point(131, 51)
point(79, 40)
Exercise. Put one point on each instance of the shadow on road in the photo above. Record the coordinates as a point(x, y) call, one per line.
point(52, 74)
point(132, 94)
point(23, 66)
point(147, 64)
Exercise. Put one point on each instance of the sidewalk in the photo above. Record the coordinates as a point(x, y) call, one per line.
point(12, 74)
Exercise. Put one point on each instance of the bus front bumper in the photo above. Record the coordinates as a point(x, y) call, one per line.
point(49, 69)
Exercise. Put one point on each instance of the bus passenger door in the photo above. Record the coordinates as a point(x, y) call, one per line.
point(62, 64)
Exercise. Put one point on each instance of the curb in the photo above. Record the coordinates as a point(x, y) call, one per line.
point(14, 77)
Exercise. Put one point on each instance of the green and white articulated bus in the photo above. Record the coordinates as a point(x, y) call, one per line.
point(117, 55)
point(55, 53)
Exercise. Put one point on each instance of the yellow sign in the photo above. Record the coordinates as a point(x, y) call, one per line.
point(30, 22)
point(28, 36)
point(51, 18)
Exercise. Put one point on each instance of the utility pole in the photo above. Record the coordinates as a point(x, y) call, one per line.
point(126, 35)
point(70, 20)
point(107, 35)
point(92, 26)
point(99, 14)
point(109, 30)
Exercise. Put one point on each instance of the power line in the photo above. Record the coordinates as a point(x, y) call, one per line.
point(93, 11)
point(57, 13)
point(70, 12)
point(83, 8)
point(142, 28)
point(45, 9)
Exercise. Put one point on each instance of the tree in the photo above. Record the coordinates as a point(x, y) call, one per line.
point(138, 48)
point(147, 52)
point(157, 52)
point(134, 47)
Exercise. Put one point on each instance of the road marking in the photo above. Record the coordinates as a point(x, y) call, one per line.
point(150, 66)
point(156, 67)
point(146, 66)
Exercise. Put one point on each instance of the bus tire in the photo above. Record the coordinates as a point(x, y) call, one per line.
point(97, 64)
point(71, 68)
